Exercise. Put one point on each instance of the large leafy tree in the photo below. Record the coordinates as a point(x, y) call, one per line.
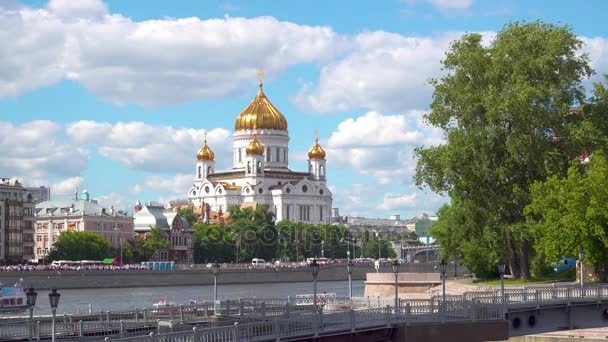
point(213, 243)
point(156, 239)
point(71, 245)
point(499, 106)
point(570, 213)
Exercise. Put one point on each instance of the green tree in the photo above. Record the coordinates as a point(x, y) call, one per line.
point(570, 213)
point(189, 215)
point(135, 250)
point(71, 245)
point(498, 105)
point(213, 243)
point(156, 239)
point(370, 247)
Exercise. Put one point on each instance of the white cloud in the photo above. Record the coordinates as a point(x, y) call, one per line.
point(597, 48)
point(153, 148)
point(392, 201)
point(153, 62)
point(386, 71)
point(177, 185)
point(117, 200)
point(66, 186)
point(374, 129)
point(81, 9)
point(33, 49)
point(35, 151)
point(381, 146)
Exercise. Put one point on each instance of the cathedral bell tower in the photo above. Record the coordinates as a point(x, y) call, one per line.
point(254, 159)
point(205, 164)
point(316, 160)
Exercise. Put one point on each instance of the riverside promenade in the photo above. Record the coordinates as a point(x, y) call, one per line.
point(471, 316)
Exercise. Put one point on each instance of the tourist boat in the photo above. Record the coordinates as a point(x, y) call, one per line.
point(163, 304)
point(12, 299)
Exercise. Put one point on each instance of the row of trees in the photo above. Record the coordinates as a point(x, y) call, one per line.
point(511, 159)
point(252, 233)
point(71, 245)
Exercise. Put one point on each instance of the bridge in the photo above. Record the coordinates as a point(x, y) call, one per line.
point(409, 252)
point(478, 315)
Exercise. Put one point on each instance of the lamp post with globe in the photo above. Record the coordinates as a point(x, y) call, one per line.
point(396, 272)
point(349, 269)
point(31, 296)
point(215, 267)
point(314, 269)
point(581, 257)
point(54, 300)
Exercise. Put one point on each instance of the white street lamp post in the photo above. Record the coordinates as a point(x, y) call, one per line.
point(31, 302)
point(396, 272)
point(54, 300)
point(349, 269)
point(216, 270)
point(581, 257)
point(314, 268)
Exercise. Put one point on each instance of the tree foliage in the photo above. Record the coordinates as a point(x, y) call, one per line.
point(189, 215)
point(499, 106)
point(570, 213)
point(71, 245)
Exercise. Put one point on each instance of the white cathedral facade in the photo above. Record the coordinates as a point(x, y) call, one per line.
point(260, 172)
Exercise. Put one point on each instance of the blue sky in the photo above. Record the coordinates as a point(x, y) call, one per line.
point(114, 96)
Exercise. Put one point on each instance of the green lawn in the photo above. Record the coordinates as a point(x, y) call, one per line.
point(568, 275)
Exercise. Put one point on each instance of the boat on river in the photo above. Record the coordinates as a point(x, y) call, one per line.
point(12, 299)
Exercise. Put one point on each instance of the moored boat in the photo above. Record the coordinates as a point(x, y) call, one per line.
point(12, 299)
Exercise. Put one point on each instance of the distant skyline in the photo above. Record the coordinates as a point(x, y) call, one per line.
point(113, 97)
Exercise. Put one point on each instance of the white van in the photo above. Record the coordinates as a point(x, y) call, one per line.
point(258, 262)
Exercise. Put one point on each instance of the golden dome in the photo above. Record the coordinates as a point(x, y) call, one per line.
point(205, 152)
point(255, 147)
point(260, 114)
point(316, 152)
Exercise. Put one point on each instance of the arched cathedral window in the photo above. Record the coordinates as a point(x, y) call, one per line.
point(248, 167)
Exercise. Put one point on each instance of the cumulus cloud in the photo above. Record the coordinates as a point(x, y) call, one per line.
point(153, 148)
point(117, 200)
point(374, 129)
point(81, 9)
point(35, 151)
point(66, 186)
point(597, 48)
point(153, 62)
point(385, 71)
point(381, 146)
point(177, 185)
point(393, 201)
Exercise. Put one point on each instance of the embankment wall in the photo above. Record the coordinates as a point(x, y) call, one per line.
point(143, 278)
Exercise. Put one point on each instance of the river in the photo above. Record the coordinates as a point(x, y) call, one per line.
point(107, 299)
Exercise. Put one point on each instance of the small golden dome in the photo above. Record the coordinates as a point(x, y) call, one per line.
point(255, 148)
point(316, 152)
point(262, 114)
point(205, 152)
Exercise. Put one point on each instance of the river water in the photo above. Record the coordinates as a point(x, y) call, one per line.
point(106, 299)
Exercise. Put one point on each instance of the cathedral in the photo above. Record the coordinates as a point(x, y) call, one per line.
point(260, 172)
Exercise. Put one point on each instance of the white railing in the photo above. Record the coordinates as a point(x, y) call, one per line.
point(286, 318)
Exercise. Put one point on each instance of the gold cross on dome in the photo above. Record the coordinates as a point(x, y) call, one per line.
point(205, 133)
point(261, 74)
point(317, 135)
